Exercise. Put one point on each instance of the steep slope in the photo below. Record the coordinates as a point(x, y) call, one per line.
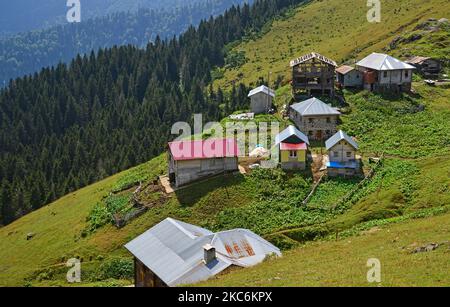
point(343, 263)
point(412, 188)
point(330, 27)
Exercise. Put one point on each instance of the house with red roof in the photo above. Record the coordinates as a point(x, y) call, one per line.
point(293, 146)
point(190, 161)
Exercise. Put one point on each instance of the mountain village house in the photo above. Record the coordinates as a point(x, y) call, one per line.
point(342, 155)
point(383, 73)
point(348, 76)
point(314, 117)
point(293, 147)
point(190, 161)
point(427, 67)
point(313, 74)
point(261, 99)
point(175, 253)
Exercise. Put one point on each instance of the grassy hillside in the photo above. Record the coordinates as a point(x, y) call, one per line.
point(332, 29)
point(343, 262)
point(408, 198)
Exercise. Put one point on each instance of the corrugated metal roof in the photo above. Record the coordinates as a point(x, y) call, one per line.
point(344, 69)
point(263, 89)
point(290, 132)
point(173, 250)
point(381, 62)
point(314, 106)
point(312, 55)
point(204, 149)
point(341, 135)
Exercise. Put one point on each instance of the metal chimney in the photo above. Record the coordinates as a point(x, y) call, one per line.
point(209, 253)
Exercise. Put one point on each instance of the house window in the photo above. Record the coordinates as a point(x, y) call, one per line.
point(293, 154)
point(311, 120)
point(385, 74)
point(310, 133)
point(328, 120)
point(406, 74)
point(349, 154)
point(328, 132)
point(336, 154)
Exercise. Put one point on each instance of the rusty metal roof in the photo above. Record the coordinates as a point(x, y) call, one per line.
point(344, 69)
point(417, 60)
point(312, 55)
point(173, 250)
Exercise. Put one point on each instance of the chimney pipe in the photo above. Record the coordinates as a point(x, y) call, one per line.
point(209, 253)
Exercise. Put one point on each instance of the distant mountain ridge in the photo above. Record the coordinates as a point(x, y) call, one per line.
point(28, 52)
point(25, 15)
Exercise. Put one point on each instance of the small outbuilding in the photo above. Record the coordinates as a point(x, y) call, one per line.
point(190, 161)
point(349, 77)
point(384, 73)
point(293, 146)
point(261, 99)
point(316, 118)
point(175, 253)
point(342, 155)
point(427, 67)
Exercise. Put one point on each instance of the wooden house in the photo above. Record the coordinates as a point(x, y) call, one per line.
point(174, 253)
point(190, 161)
point(261, 99)
point(313, 74)
point(383, 73)
point(293, 146)
point(316, 118)
point(342, 159)
point(349, 77)
point(427, 67)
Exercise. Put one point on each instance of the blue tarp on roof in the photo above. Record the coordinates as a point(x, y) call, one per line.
point(352, 165)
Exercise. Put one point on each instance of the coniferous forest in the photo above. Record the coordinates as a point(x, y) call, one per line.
point(71, 125)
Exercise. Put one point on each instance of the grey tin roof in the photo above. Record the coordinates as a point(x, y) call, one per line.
point(382, 62)
point(341, 135)
point(314, 106)
point(173, 250)
point(263, 89)
point(290, 132)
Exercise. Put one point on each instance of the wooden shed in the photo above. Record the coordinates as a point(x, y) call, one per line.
point(313, 74)
point(349, 77)
point(427, 67)
point(190, 161)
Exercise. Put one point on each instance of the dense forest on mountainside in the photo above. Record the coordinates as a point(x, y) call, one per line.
point(72, 125)
point(29, 52)
point(26, 15)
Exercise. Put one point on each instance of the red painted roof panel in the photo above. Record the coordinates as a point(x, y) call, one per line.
point(204, 149)
point(288, 146)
